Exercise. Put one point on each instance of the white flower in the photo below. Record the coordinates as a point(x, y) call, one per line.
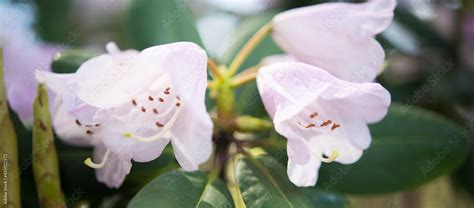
point(320, 115)
point(135, 103)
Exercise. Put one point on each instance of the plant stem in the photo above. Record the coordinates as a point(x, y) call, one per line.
point(9, 148)
point(248, 48)
point(214, 69)
point(45, 159)
point(246, 76)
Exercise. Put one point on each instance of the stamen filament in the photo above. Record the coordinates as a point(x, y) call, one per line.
point(91, 164)
point(166, 128)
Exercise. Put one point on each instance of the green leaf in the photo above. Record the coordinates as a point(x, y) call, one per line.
point(409, 147)
point(153, 22)
point(68, 61)
point(183, 189)
point(261, 181)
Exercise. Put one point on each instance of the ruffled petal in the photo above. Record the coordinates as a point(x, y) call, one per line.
point(115, 170)
point(338, 37)
point(192, 137)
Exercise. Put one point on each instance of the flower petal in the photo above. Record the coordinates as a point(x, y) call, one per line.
point(115, 170)
point(192, 137)
point(338, 37)
point(304, 175)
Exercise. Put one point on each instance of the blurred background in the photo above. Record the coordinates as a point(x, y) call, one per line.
point(429, 64)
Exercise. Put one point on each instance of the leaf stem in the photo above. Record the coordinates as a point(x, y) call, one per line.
point(246, 76)
point(214, 69)
point(248, 48)
point(9, 150)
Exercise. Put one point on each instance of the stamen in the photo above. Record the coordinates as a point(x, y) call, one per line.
point(150, 98)
point(161, 99)
point(326, 123)
point(159, 124)
point(332, 158)
point(310, 125)
point(89, 132)
point(165, 129)
point(155, 111)
point(167, 91)
point(313, 115)
point(91, 164)
point(78, 122)
point(134, 102)
point(97, 125)
point(178, 104)
point(335, 126)
point(143, 109)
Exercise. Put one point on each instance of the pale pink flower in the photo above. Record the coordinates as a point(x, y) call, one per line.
point(338, 37)
point(320, 115)
point(135, 103)
point(23, 54)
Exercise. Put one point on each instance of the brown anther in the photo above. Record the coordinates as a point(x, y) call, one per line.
point(143, 109)
point(88, 125)
point(177, 97)
point(326, 123)
point(166, 92)
point(150, 98)
point(310, 125)
point(97, 125)
point(89, 132)
point(155, 111)
point(335, 126)
point(178, 104)
point(78, 122)
point(161, 99)
point(134, 102)
point(313, 115)
point(159, 124)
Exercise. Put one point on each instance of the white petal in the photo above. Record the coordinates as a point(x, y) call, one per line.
point(192, 137)
point(304, 175)
point(337, 37)
point(115, 170)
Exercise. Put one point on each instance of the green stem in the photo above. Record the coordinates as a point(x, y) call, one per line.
point(225, 104)
point(248, 48)
point(9, 148)
point(45, 159)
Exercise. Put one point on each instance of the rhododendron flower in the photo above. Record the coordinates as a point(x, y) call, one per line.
point(324, 118)
point(337, 37)
point(135, 103)
point(23, 54)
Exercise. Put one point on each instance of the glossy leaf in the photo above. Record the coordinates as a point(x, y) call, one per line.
point(68, 61)
point(153, 22)
point(183, 189)
point(261, 181)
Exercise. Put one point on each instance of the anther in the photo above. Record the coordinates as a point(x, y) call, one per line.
point(143, 109)
point(134, 102)
point(155, 111)
point(89, 132)
point(78, 122)
point(310, 125)
point(178, 105)
point(313, 115)
point(335, 126)
point(150, 98)
point(161, 99)
point(326, 123)
point(159, 124)
point(97, 125)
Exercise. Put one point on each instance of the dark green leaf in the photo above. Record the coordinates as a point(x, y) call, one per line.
point(263, 182)
point(183, 189)
point(153, 22)
point(68, 61)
